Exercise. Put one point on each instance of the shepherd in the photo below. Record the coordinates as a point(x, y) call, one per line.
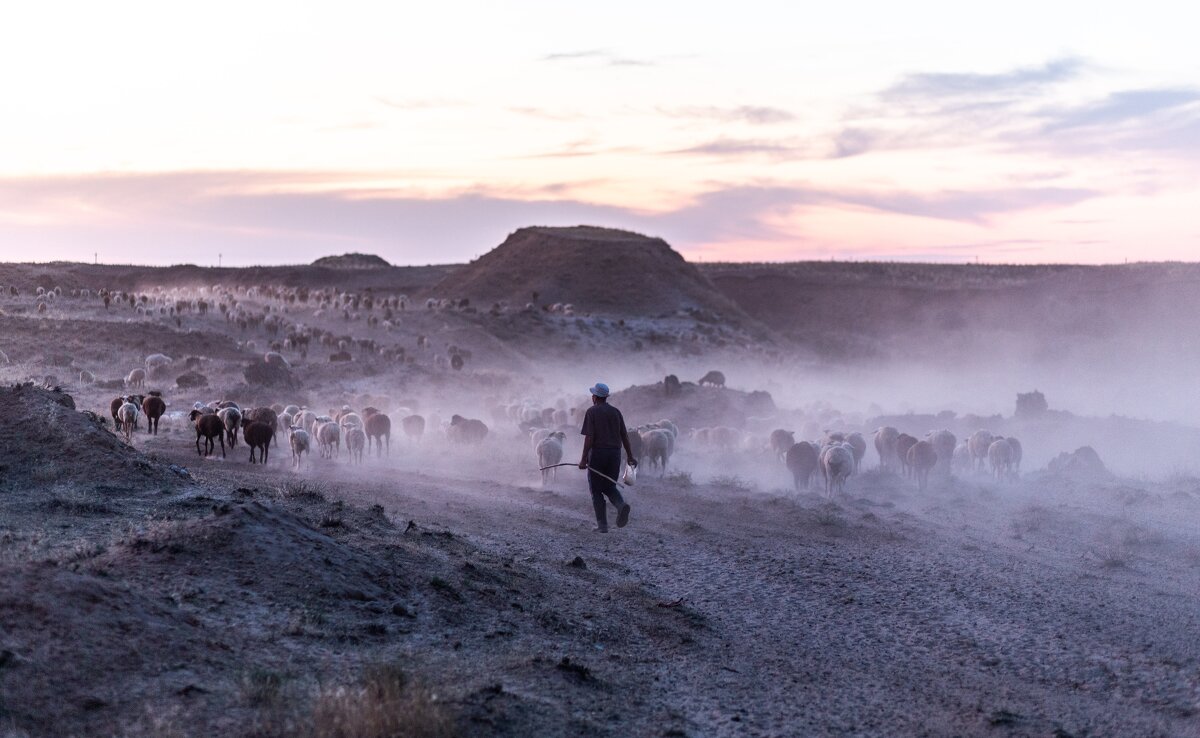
point(604, 435)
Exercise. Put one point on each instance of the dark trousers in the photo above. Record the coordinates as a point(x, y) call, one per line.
point(607, 461)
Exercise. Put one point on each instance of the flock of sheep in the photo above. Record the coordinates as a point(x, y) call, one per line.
point(839, 455)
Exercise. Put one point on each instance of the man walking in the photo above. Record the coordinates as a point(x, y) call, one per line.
point(604, 435)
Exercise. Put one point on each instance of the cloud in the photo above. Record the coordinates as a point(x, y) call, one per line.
point(604, 56)
point(273, 217)
point(753, 114)
point(1121, 107)
point(940, 85)
point(735, 147)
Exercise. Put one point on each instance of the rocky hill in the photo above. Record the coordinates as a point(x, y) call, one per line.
point(594, 269)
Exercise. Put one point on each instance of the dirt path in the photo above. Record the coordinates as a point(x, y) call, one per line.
point(883, 614)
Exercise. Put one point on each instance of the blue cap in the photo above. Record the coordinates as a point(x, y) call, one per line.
point(600, 390)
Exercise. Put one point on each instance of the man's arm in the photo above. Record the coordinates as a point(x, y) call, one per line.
point(587, 449)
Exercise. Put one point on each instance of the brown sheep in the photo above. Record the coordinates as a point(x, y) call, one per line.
point(153, 407)
point(921, 459)
point(258, 435)
point(801, 462)
point(414, 427)
point(208, 426)
point(263, 415)
point(379, 429)
point(904, 443)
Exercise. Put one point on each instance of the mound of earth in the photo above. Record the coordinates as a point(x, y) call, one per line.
point(352, 261)
point(1082, 462)
point(49, 442)
point(692, 406)
point(594, 269)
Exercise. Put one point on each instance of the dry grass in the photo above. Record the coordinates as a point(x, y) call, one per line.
point(385, 705)
point(302, 490)
point(730, 482)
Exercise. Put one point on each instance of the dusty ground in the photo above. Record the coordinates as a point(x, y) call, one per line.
point(148, 592)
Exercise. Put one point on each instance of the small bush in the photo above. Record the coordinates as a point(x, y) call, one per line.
point(303, 490)
point(727, 481)
point(384, 705)
point(261, 687)
point(681, 479)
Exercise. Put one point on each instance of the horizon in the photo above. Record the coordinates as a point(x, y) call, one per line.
point(782, 134)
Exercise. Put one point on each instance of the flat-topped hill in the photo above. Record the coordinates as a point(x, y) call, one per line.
point(594, 269)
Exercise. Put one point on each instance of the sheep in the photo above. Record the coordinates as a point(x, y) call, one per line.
point(904, 444)
point(837, 464)
point(549, 453)
point(231, 418)
point(209, 426)
point(727, 438)
point(349, 420)
point(944, 443)
point(858, 447)
point(113, 407)
point(304, 419)
point(712, 379)
point(356, 439)
point(1000, 456)
point(962, 457)
point(466, 430)
point(1017, 453)
point(292, 410)
point(414, 427)
point(782, 442)
point(128, 415)
point(157, 361)
point(262, 415)
point(378, 428)
point(885, 445)
point(801, 460)
point(922, 457)
point(274, 358)
point(329, 437)
point(154, 407)
point(258, 435)
point(538, 435)
point(658, 445)
point(85, 377)
point(136, 378)
point(299, 440)
point(978, 445)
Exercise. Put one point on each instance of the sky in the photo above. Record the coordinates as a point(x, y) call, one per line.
point(267, 133)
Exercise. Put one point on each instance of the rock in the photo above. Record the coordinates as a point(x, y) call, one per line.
point(1082, 462)
point(190, 380)
point(399, 610)
point(578, 563)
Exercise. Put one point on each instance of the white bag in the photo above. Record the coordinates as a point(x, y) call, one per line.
point(630, 475)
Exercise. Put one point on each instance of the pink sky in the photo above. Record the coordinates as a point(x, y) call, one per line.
point(922, 132)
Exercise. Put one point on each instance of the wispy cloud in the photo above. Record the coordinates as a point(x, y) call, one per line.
point(604, 56)
point(939, 86)
point(1120, 107)
point(739, 147)
point(754, 114)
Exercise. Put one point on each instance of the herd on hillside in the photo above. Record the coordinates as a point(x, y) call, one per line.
point(836, 455)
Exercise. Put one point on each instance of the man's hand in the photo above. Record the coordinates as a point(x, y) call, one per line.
point(633, 463)
point(583, 464)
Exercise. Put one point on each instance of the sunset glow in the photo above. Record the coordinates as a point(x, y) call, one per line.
point(278, 132)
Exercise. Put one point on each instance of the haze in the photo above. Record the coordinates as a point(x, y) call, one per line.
point(275, 133)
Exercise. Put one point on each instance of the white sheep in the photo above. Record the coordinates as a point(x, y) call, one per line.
point(329, 436)
point(549, 453)
point(157, 361)
point(356, 441)
point(300, 440)
point(136, 378)
point(837, 464)
point(885, 445)
point(274, 358)
point(128, 414)
point(978, 445)
point(1000, 456)
point(944, 442)
point(231, 418)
